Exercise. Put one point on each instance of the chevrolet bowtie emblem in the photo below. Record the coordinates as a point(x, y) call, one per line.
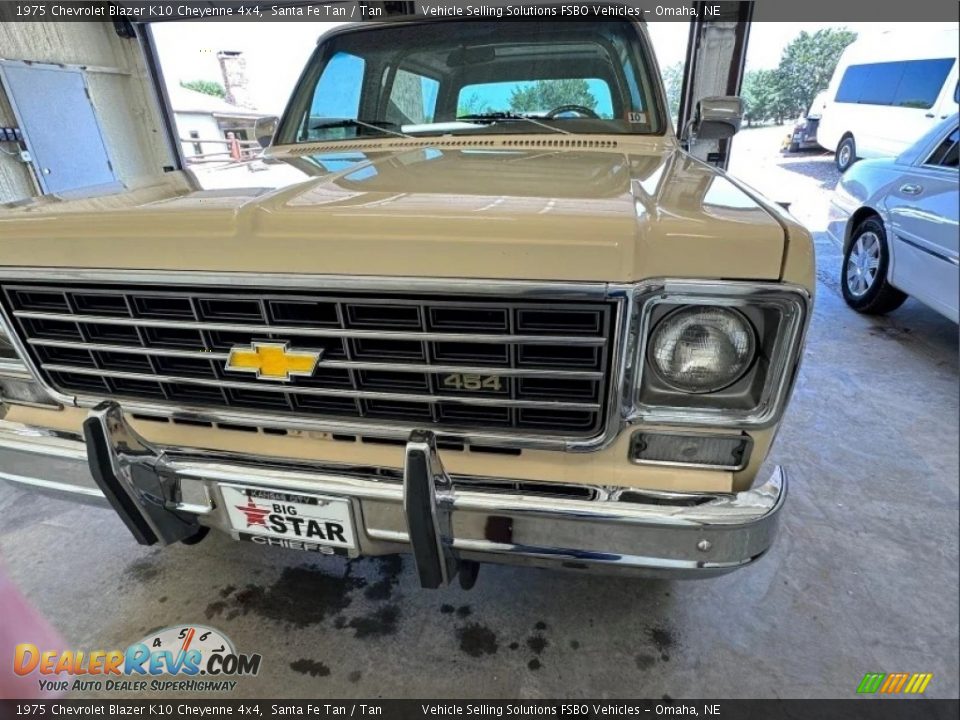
point(273, 361)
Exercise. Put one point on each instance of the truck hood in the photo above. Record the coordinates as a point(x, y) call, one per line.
point(482, 210)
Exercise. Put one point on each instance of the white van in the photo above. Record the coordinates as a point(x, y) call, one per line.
point(888, 90)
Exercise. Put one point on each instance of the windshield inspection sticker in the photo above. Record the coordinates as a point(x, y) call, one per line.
point(637, 118)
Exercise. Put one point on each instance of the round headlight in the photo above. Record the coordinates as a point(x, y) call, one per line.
point(702, 349)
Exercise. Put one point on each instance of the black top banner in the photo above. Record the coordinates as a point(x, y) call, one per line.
point(403, 709)
point(359, 10)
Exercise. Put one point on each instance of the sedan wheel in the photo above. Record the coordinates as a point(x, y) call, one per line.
point(863, 279)
point(863, 263)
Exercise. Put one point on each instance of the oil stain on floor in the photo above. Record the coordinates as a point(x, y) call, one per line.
point(301, 596)
point(477, 640)
point(313, 668)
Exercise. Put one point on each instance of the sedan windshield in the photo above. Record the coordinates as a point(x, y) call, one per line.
point(475, 77)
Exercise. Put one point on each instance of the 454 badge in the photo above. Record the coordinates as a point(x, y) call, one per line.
point(176, 658)
point(313, 523)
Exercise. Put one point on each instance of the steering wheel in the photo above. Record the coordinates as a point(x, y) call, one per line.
point(581, 109)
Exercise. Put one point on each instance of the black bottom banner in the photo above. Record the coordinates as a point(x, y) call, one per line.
point(891, 709)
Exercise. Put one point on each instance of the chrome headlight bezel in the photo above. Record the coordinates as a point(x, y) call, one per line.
point(11, 365)
point(18, 386)
point(778, 313)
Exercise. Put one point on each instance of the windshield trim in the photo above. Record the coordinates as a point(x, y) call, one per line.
point(650, 83)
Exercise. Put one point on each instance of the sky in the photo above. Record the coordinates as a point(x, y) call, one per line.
point(277, 51)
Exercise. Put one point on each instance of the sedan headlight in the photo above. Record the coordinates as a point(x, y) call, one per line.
point(702, 349)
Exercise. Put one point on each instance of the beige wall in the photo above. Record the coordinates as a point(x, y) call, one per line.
point(120, 90)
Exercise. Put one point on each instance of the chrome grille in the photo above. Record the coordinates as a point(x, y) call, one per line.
point(543, 364)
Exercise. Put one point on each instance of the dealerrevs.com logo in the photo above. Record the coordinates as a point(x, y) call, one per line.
point(176, 658)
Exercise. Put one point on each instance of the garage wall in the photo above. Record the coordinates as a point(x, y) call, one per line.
point(120, 91)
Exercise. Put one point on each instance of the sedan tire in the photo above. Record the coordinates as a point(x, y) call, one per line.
point(863, 277)
point(846, 153)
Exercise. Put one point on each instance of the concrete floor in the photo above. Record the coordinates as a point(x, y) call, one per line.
point(863, 578)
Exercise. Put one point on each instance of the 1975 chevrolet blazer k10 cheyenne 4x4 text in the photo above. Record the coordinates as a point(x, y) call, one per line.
point(492, 313)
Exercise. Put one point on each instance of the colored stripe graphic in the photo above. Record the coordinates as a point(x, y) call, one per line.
point(871, 682)
point(894, 683)
point(918, 683)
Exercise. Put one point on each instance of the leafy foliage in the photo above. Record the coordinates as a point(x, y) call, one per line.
point(807, 64)
point(673, 85)
point(473, 104)
point(805, 68)
point(762, 99)
point(545, 95)
point(207, 87)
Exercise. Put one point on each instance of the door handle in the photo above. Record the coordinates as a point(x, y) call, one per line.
point(911, 189)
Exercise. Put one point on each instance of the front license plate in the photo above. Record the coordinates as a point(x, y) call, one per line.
point(314, 523)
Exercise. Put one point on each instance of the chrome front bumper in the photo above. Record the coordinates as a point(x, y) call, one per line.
point(166, 495)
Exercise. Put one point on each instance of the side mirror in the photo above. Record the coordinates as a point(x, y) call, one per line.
point(718, 117)
point(264, 128)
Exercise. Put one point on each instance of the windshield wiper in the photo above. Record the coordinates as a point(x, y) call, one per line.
point(492, 118)
point(379, 125)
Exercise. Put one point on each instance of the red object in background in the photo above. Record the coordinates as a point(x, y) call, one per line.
point(234, 146)
point(20, 622)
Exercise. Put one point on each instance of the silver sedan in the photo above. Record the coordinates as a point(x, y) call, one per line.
point(896, 219)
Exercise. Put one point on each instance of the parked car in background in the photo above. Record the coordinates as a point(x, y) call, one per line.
point(803, 136)
point(888, 90)
point(897, 220)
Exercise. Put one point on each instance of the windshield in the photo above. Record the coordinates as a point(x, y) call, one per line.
point(475, 77)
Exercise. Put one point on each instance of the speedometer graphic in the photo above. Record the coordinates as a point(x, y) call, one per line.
point(184, 638)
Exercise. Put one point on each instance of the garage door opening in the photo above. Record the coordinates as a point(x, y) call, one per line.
point(220, 77)
point(787, 91)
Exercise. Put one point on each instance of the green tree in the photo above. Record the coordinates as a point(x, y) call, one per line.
point(762, 97)
point(807, 64)
point(781, 106)
point(207, 87)
point(545, 95)
point(673, 85)
point(755, 93)
point(472, 104)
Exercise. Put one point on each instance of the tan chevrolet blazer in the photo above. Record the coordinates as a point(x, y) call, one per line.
point(487, 310)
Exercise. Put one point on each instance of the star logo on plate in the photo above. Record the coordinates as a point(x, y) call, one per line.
point(255, 514)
